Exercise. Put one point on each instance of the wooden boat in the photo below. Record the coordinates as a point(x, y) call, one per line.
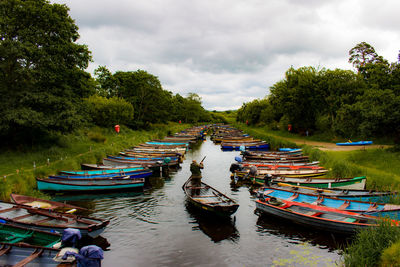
point(342, 183)
point(374, 209)
point(44, 203)
point(254, 146)
point(149, 154)
point(89, 185)
point(149, 159)
point(282, 167)
point(88, 166)
point(288, 158)
point(316, 216)
point(359, 143)
point(270, 163)
point(154, 165)
point(20, 246)
point(209, 199)
point(351, 194)
point(104, 171)
point(112, 175)
point(181, 150)
point(288, 173)
point(25, 216)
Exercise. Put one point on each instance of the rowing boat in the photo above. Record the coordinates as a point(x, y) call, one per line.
point(44, 203)
point(41, 219)
point(208, 199)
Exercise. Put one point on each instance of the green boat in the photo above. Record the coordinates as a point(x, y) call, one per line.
point(20, 246)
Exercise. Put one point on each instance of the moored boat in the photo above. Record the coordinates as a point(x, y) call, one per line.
point(89, 185)
point(209, 199)
point(374, 209)
point(317, 217)
point(41, 219)
point(351, 194)
point(342, 183)
point(21, 246)
point(44, 203)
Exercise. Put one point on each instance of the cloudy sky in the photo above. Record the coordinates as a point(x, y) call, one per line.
point(231, 51)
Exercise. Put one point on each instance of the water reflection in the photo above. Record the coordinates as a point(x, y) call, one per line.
point(217, 228)
point(297, 234)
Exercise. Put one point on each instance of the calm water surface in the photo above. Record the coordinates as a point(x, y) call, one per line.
point(158, 228)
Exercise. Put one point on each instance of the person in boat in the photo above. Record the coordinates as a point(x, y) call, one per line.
point(267, 180)
point(195, 169)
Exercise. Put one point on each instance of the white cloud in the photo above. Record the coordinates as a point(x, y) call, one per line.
point(231, 51)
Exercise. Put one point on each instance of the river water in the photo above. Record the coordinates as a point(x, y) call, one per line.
point(158, 228)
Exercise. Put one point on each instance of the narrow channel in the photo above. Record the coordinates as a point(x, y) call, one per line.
point(158, 228)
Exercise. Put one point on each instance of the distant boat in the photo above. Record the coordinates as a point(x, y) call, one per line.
point(359, 143)
point(209, 199)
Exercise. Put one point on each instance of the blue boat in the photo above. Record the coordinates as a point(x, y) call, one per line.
point(120, 175)
point(89, 185)
point(131, 175)
point(167, 143)
point(286, 149)
point(93, 172)
point(359, 143)
point(374, 209)
point(247, 147)
point(144, 159)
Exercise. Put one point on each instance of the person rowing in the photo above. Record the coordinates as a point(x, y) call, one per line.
point(195, 169)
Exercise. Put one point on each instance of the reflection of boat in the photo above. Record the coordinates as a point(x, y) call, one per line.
point(84, 197)
point(217, 229)
point(209, 199)
point(298, 233)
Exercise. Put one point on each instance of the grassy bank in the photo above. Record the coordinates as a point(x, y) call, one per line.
point(18, 168)
point(379, 165)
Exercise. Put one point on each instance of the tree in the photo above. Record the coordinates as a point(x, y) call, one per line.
point(144, 91)
point(362, 54)
point(42, 77)
point(106, 83)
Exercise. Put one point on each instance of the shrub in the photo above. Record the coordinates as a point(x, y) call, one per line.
point(109, 111)
point(391, 255)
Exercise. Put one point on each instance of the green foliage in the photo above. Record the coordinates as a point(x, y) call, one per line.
point(108, 112)
point(391, 255)
point(369, 243)
point(41, 70)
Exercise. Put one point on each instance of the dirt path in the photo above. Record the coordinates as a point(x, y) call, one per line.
point(329, 146)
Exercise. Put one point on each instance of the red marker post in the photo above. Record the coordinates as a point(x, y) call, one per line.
point(117, 128)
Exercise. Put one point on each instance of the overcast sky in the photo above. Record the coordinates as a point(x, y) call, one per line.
point(231, 51)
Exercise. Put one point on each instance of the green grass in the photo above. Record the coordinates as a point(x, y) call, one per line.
point(89, 145)
point(369, 244)
point(379, 165)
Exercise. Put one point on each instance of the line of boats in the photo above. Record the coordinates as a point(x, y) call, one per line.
point(38, 232)
point(295, 189)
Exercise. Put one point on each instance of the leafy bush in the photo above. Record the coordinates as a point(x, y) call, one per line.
point(109, 111)
point(391, 255)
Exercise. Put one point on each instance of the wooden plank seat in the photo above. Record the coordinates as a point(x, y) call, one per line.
point(34, 255)
point(4, 249)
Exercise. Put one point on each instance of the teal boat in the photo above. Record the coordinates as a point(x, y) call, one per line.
point(95, 172)
point(89, 185)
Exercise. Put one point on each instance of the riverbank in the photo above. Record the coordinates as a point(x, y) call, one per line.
point(18, 168)
point(377, 162)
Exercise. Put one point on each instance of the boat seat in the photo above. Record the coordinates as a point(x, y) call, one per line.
point(344, 205)
point(350, 220)
point(4, 250)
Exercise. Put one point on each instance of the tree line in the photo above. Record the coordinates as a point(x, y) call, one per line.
point(45, 89)
point(352, 104)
